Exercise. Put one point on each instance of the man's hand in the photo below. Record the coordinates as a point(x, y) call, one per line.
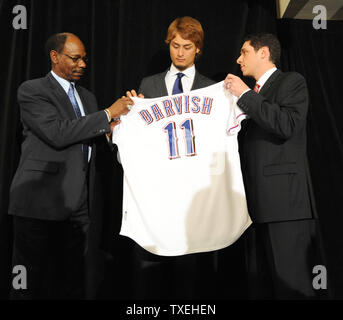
point(121, 106)
point(133, 93)
point(235, 85)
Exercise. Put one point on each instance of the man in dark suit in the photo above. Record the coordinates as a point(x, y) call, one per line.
point(185, 40)
point(176, 277)
point(49, 193)
point(283, 244)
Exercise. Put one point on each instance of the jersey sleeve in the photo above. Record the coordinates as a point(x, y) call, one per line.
point(236, 115)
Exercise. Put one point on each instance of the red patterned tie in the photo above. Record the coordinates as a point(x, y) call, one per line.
point(257, 87)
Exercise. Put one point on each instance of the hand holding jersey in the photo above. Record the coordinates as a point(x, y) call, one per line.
point(119, 107)
point(133, 93)
point(235, 85)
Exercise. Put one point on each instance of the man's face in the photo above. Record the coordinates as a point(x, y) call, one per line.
point(249, 59)
point(69, 63)
point(182, 52)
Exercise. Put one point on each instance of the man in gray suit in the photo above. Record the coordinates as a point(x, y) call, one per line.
point(49, 193)
point(175, 277)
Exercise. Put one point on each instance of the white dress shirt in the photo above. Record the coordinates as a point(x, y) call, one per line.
point(263, 79)
point(186, 80)
point(65, 84)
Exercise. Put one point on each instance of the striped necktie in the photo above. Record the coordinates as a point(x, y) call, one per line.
point(77, 111)
point(257, 87)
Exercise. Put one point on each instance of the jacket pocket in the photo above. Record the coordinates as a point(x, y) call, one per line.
point(281, 168)
point(40, 165)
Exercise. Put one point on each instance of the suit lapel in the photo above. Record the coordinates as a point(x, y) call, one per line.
point(61, 96)
point(269, 82)
point(161, 84)
point(247, 123)
point(85, 102)
point(197, 81)
point(64, 99)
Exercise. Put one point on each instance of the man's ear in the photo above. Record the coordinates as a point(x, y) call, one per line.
point(54, 56)
point(265, 53)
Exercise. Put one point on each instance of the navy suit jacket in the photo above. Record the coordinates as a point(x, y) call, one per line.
point(273, 150)
point(50, 180)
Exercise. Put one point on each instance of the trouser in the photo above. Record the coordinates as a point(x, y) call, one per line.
point(52, 253)
point(217, 274)
point(281, 257)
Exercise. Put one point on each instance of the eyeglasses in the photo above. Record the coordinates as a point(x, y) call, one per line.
point(76, 59)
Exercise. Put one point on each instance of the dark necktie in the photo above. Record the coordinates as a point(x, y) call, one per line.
point(77, 111)
point(178, 84)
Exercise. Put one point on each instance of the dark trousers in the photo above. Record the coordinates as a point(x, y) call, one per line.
point(280, 258)
point(53, 254)
point(159, 277)
point(208, 275)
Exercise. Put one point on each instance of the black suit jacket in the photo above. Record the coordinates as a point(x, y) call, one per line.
point(50, 180)
point(273, 150)
point(155, 85)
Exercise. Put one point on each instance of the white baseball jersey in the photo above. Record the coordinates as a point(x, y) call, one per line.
point(183, 187)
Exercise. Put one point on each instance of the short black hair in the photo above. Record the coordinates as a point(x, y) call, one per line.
point(259, 40)
point(56, 42)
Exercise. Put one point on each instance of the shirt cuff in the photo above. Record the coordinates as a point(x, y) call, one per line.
point(108, 137)
point(108, 117)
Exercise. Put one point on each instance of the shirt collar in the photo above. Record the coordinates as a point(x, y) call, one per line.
point(63, 82)
point(189, 73)
point(265, 77)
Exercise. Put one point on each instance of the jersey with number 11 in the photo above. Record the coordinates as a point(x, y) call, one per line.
point(183, 187)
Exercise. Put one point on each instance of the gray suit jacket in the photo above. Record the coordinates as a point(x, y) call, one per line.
point(155, 85)
point(50, 180)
